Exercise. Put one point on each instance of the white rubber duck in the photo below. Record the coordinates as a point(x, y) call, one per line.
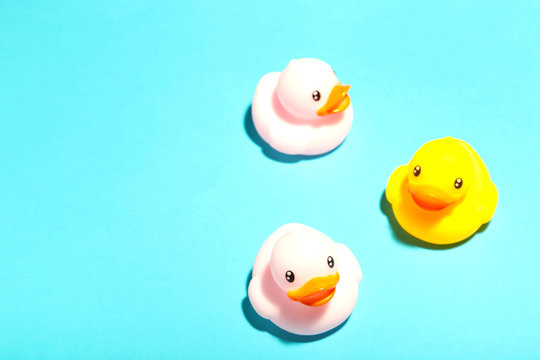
point(303, 110)
point(304, 282)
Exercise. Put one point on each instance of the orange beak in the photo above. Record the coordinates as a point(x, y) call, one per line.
point(338, 100)
point(430, 197)
point(317, 291)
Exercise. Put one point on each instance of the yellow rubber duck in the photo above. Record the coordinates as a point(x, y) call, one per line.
point(444, 194)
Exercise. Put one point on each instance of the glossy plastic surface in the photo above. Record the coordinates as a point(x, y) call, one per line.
point(303, 110)
point(324, 286)
point(444, 194)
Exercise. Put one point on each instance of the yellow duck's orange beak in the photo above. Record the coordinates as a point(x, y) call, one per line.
point(430, 197)
point(338, 100)
point(317, 291)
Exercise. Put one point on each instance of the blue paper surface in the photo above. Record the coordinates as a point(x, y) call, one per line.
point(136, 194)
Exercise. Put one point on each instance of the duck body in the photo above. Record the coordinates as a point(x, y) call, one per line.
point(444, 194)
point(303, 110)
point(320, 297)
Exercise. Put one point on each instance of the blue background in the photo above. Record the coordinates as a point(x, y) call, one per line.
point(135, 193)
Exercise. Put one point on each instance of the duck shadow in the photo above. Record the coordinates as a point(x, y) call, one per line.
point(270, 152)
point(405, 238)
point(261, 324)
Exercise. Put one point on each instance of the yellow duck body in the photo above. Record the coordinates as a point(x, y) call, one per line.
point(444, 194)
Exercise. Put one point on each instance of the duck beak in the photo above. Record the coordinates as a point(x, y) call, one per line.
point(338, 100)
point(430, 197)
point(317, 291)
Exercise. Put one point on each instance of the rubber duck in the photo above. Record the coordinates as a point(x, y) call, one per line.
point(303, 281)
point(303, 110)
point(444, 194)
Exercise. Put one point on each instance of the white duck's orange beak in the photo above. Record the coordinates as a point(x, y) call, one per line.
point(338, 100)
point(317, 291)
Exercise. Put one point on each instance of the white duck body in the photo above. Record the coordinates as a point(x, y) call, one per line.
point(286, 115)
point(271, 301)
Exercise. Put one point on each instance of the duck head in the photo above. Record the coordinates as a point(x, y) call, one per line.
point(308, 88)
point(304, 265)
point(440, 174)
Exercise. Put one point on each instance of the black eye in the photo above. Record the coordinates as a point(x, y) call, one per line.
point(416, 171)
point(458, 183)
point(330, 261)
point(289, 275)
point(316, 95)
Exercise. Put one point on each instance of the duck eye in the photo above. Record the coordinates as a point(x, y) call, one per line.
point(289, 276)
point(458, 183)
point(416, 171)
point(330, 261)
point(316, 95)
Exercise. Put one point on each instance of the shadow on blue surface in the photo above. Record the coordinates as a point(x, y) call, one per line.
point(405, 238)
point(267, 150)
point(262, 324)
